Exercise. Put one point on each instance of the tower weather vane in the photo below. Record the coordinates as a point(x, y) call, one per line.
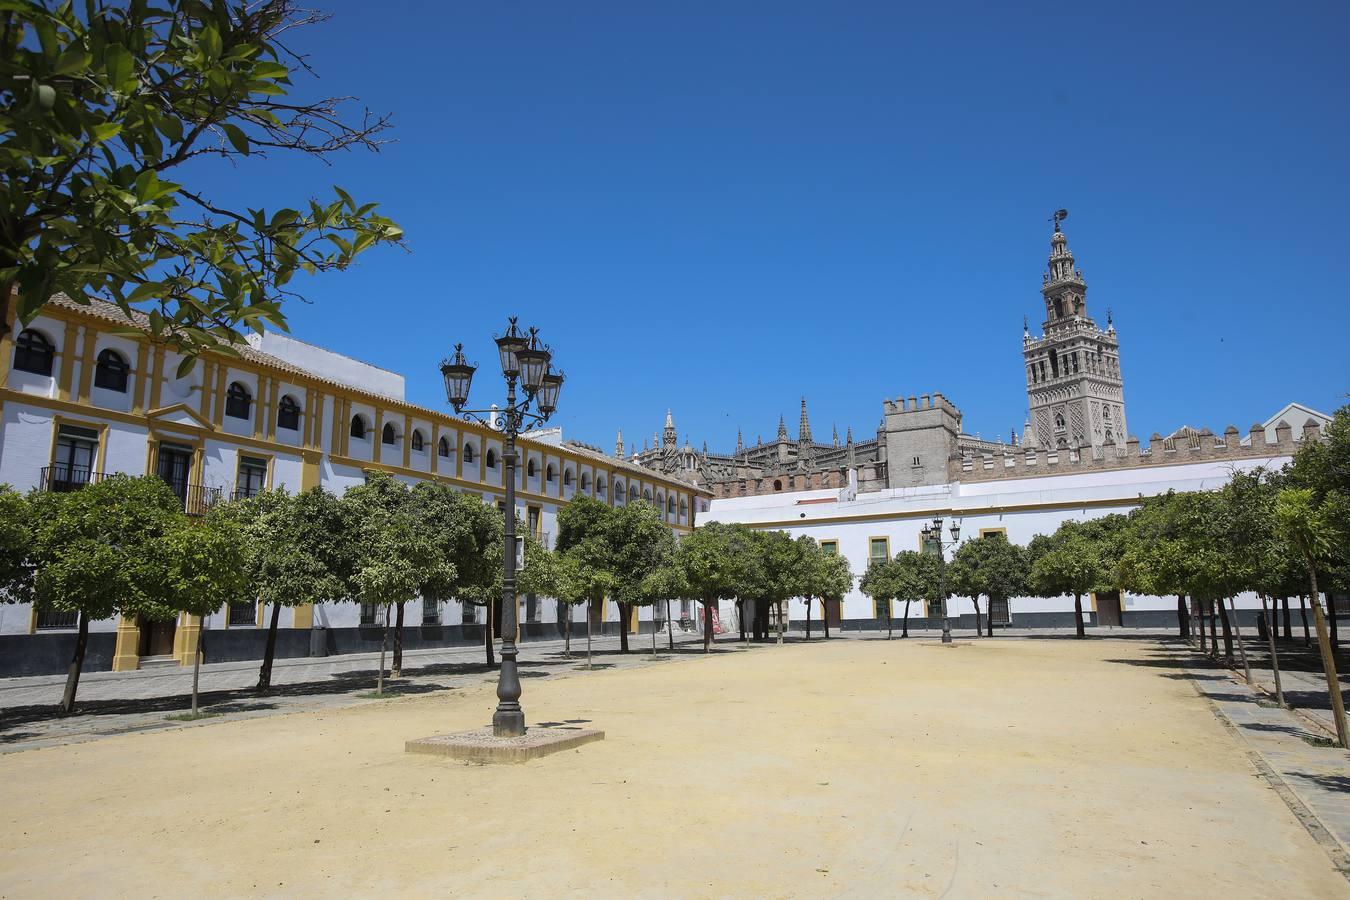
point(1059, 216)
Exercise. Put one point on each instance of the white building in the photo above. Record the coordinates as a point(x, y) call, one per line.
point(79, 401)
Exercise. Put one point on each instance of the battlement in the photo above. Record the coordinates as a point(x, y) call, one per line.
point(1202, 446)
point(923, 402)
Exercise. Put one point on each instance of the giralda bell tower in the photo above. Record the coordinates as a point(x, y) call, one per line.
point(1075, 395)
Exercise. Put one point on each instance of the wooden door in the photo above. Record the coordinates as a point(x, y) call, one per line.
point(1108, 607)
point(157, 638)
point(833, 614)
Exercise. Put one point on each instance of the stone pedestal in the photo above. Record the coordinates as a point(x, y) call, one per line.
point(481, 746)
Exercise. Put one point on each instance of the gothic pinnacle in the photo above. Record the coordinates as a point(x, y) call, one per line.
point(618, 445)
point(804, 427)
point(782, 429)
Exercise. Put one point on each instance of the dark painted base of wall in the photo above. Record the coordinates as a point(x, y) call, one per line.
point(50, 654)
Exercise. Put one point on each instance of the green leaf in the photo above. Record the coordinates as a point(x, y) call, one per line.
point(76, 59)
point(185, 365)
point(238, 139)
point(120, 66)
point(209, 41)
point(269, 69)
point(105, 131)
point(145, 291)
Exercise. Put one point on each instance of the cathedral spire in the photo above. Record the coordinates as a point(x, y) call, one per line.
point(740, 441)
point(804, 426)
point(669, 439)
point(618, 445)
point(835, 428)
point(782, 429)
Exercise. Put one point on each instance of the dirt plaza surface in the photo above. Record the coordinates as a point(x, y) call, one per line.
point(861, 768)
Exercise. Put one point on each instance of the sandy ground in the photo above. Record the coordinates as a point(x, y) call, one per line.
point(863, 768)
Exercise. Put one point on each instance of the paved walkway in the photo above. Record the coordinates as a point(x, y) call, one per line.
point(1313, 778)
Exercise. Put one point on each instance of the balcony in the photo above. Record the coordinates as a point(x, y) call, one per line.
point(60, 479)
point(196, 498)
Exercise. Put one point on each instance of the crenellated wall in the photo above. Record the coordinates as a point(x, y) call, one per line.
point(1024, 462)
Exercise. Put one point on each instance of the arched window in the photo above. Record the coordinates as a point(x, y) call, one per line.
point(684, 507)
point(288, 413)
point(647, 495)
point(237, 401)
point(620, 492)
point(777, 484)
point(33, 352)
point(491, 458)
point(670, 505)
point(550, 473)
point(1059, 420)
point(567, 477)
point(419, 443)
point(468, 452)
point(358, 429)
point(585, 481)
point(530, 468)
point(389, 436)
point(443, 449)
point(111, 371)
point(600, 486)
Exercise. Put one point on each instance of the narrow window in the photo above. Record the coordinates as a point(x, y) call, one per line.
point(389, 436)
point(585, 482)
point(567, 477)
point(252, 478)
point(48, 619)
point(76, 452)
point(468, 453)
point(237, 401)
point(431, 612)
point(878, 551)
point(670, 505)
point(418, 443)
point(530, 468)
point(243, 612)
point(358, 427)
point(491, 458)
point(549, 473)
point(917, 463)
point(33, 352)
point(443, 448)
point(111, 371)
point(288, 413)
point(370, 613)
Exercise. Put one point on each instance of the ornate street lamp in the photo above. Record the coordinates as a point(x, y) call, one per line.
point(932, 535)
point(524, 359)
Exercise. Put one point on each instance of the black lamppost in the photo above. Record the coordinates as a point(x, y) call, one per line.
point(523, 358)
point(932, 534)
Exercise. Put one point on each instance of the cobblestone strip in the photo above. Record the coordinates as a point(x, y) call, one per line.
point(1314, 781)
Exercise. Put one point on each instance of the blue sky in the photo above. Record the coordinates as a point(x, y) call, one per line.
point(721, 207)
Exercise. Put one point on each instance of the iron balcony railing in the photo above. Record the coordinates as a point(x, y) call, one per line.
point(67, 478)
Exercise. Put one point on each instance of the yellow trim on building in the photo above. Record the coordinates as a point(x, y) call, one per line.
point(126, 645)
point(66, 373)
point(87, 365)
point(985, 532)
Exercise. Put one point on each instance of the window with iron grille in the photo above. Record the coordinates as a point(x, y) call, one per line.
point(33, 352)
point(111, 371)
point(76, 452)
point(879, 551)
point(56, 618)
point(468, 613)
point(288, 413)
point(370, 613)
point(237, 401)
point(418, 442)
point(243, 612)
point(431, 611)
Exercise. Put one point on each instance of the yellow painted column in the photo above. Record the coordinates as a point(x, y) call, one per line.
point(270, 426)
point(407, 442)
point(218, 408)
point(204, 407)
point(126, 655)
point(377, 439)
point(186, 639)
point(156, 375)
point(310, 475)
point(304, 616)
point(259, 412)
point(87, 364)
point(66, 374)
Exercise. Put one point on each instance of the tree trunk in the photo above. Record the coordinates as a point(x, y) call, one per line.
point(196, 669)
point(567, 631)
point(1303, 614)
point(1227, 633)
point(384, 642)
point(270, 651)
point(1078, 614)
point(740, 615)
point(890, 628)
point(590, 610)
point(653, 631)
point(808, 618)
point(1274, 657)
point(1329, 664)
point(781, 605)
point(1331, 621)
point(1213, 628)
point(1242, 648)
point(1199, 608)
point(979, 623)
point(707, 625)
point(1288, 625)
point(825, 617)
point(396, 670)
point(670, 627)
point(623, 626)
point(989, 617)
point(76, 666)
point(904, 623)
point(1183, 618)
